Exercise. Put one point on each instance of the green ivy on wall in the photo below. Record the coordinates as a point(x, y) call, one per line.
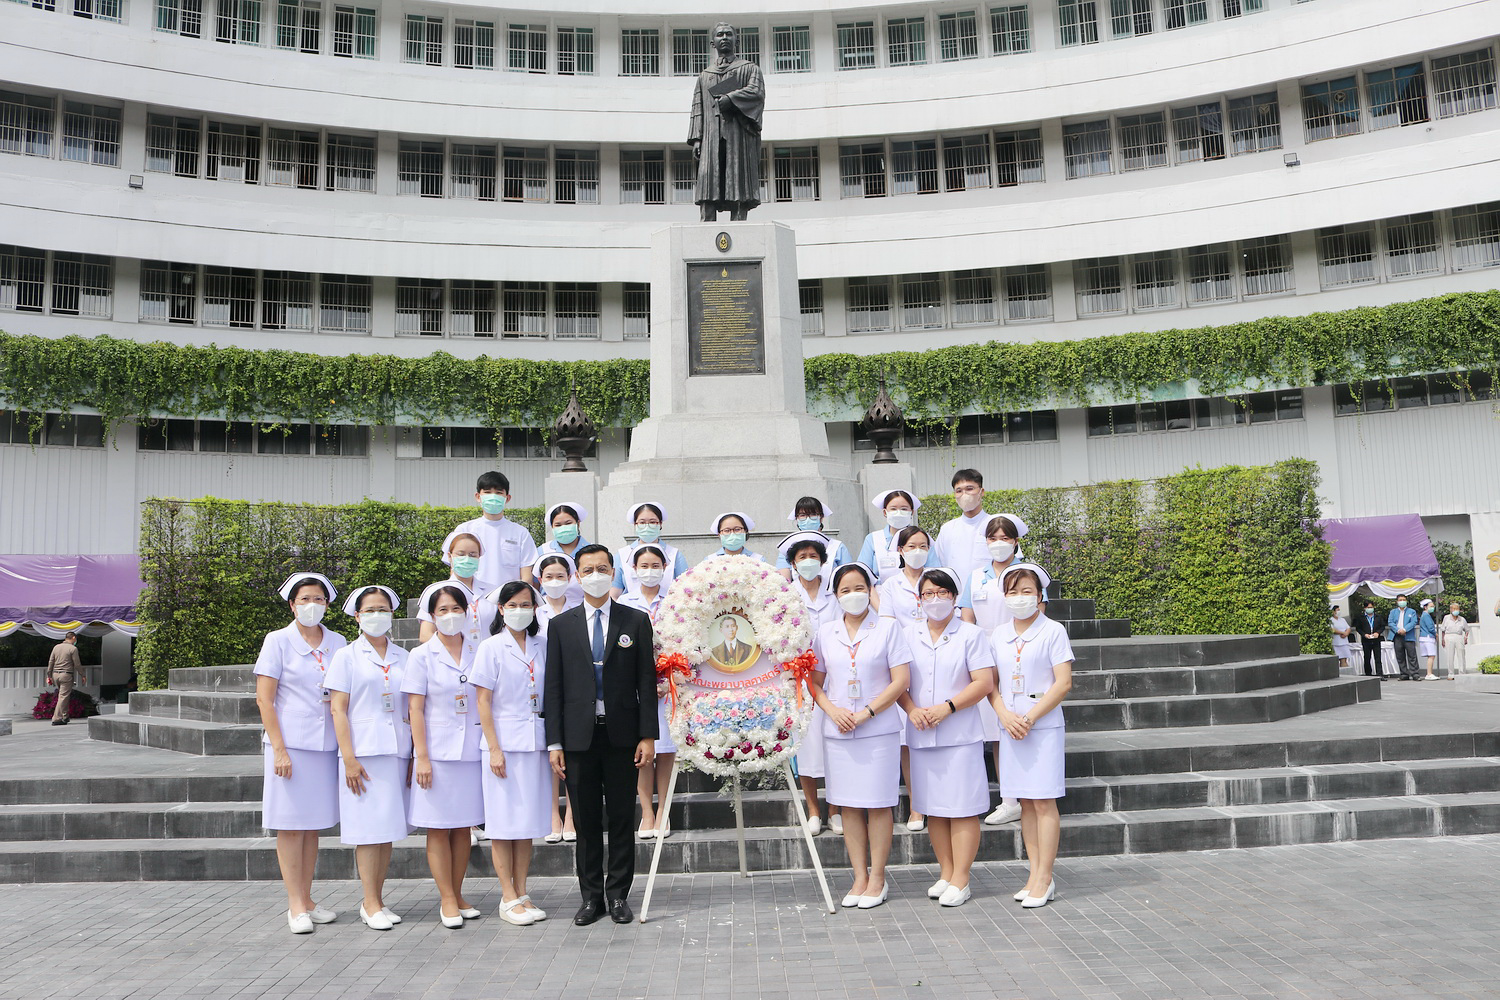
point(123, 379)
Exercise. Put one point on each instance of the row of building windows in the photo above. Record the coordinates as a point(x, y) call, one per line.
point(1412, 393)
point(1438, 87)
point(984, 428)
point(1187, 414)
point(246, 437)
point(483, 442)
point(78, 430)
point(515, 310)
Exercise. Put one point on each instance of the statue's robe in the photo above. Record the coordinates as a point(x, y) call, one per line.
point(729, 154)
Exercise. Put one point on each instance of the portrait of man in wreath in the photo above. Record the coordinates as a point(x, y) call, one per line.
point(737, 648)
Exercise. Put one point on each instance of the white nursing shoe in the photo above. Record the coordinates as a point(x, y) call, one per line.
point(453, 922)
point(300, 923)
point(321, 916)
point(391, 915)
point(1032, 902)
point(954, 896)
point(870, 902)
point(377, 921)
point(1003, 814)
point(537, 913)
point(851, 900)
point(814, 825)
point(522, 919)
point(469, 913)
point(936, 889)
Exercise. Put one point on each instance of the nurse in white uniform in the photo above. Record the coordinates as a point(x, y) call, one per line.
point(897, 598)
point(301, 766)
point(509, 674)
point(1035, 661)
point(733, 528)
point(807, 553)
point(646, 520)
point(447, 795)
point(653, 779)
point(566, 521)
point(812, 514)
point(863, 667)
point(369, 716)
point(464, 552)
point(881, 551)
point(952, 673)
point(557, 577)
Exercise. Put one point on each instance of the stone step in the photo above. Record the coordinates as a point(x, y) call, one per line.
point(238, 677)
point(228, 707)
point(1231, 678)
point(1092, 715)
point(1180, 650)
point(1097, 628)
point(783, 848)
point(190, 736)
point(1071, 609)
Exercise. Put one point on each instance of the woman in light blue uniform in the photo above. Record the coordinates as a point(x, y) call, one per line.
point(812, 514)
point(1035, 661)
point(566, 521)
point(369, 717)
point(647, 520)
point(733, 528)
point(880, 551)
point(653, 779)
point(807, 553)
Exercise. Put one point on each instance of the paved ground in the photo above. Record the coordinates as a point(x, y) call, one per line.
point(1400, 919)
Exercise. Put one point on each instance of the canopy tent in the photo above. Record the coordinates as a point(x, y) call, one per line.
point(55, 595)
point(1387, 556)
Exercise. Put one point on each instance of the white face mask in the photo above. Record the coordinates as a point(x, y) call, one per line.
point(855, 603)
point(450, 624)
point(554, 588)
point(1021, 605)
point(376, 623)
point(1001, 551)
point(916, 558)
point(809, 569)
point(897, 519)
point(938, 609)
point(597, 584)
point(518, 619)
point(650, 577)
point(311, 614)
point(969, 502)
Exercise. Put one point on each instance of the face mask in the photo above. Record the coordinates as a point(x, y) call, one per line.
point(650, 577)
point(939, 609)
point(809, 523)
point(464, 566)
point(897, 519)
point(648, 532)
point(1021, 605)
point(809, 569)
point(518, 619)
point(1001, 551)
point(554, 588)
point(1400, 604)
point(733, 542)
point(450, 624)
point(376, 623)
point(565, 534)
point(969, 502)
point(311, 614)
point(915, 558)
point(492, 503)
point(597, 584)
point(855, 603)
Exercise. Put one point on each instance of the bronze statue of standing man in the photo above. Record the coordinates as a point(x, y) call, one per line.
point(725, 131)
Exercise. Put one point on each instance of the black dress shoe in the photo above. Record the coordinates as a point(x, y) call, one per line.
point(59, 722)
point(620, 912)
point(590, 911)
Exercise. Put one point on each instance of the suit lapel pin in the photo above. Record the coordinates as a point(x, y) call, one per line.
point(625, 642)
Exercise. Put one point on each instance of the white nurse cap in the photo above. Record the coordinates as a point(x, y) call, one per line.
point(288, 588)
point(1021, 528)
point(1041, 575)
point(749, 521)
point(576, 508)
point(536, 564)
point(790, 542)
point(952, 573)
point(636, 510)
point(839, 571)
point(351, 606)
point(880, 499)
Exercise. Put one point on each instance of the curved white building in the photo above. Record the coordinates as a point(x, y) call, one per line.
point(398, 178)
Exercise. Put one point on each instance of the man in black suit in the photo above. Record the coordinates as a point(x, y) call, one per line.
point(1371, 628)
point(600, 711)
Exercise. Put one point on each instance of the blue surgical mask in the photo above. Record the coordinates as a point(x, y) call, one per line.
point(809, 524)
point(732, 542)
point(464, 566)
point(648, 532)
point(492, 503)
point(565, 534)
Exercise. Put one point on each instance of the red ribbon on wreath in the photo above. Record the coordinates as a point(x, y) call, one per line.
point(801, 668)
point(667, 669)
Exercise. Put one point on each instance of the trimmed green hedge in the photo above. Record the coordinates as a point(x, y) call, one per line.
point(211, 569)
point(1210, 551)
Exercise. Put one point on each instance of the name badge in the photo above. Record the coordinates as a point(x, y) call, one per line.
point(888, 560)
point(1017, 684)
point(981, 594)
point(461, 704)
point(387, 702)
point(327, 696)
point(855, 691)
point(536, 704)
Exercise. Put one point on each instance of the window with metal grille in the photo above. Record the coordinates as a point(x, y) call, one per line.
point(1266, 263)
point(525, 305)
point(292, 158)
point(1476, 236)
point(1128, 18)
point(526, 48)
point(287, 300)
point(525, 173)
point(474, 44)
point(640, 52)
point(1077, 22)
point(23, 278)
point(419, 168)
point(643, 178)
point(1396, 96)
point(973, 297)
point(1181, 13)
point(906, 41)
point(1018, 157)
point(576, 176)
point(238, 22)
point(474, 171)
point(1464, 83)
point(91, 134)
point(344, 303)
point(169, 292)
point(958, 35)
point(1330, 109)
point(424, 39)
point(1100, 288)
point(97, 10)
point(299, 25)
point(685, 176)
point(862, 170)
point(419, 307)
point(26, 124)
point(351, 162)
point(233, 153)
point(689, 51)
point(1411, 245)
point(914, 167)
point(229, 297)
point(471, 308)
point(575, 51)
point(796, 170)
point(1086, 148)
point(575, 310)
point(749, 44)
point(810, 301)
point(1346, 255)
point(856, 45)
point(966, 161)
point(172, 145)
point(82, 285)
point(1028, 293)
point(1010, 29)
point(1210, 274)
point(921, 301)
point(354, 32)
point(1254, 123)
point(637, 302)
point(1143, 141)
point(1234, 8)
point(867, 303)
point(1153, 280)
point(791, 48)
point(1198, 132)
point(180, 17)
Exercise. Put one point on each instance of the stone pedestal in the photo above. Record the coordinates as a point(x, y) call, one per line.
point(874, 479)
point(741, 439)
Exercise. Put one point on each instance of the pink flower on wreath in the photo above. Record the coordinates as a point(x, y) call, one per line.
point(719, 715)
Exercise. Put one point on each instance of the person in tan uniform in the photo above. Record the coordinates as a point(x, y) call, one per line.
point(62, 666)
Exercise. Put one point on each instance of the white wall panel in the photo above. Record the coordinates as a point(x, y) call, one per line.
point(56, 500)
point(290, 478)
point(1149, 455)
point(1437, 460)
